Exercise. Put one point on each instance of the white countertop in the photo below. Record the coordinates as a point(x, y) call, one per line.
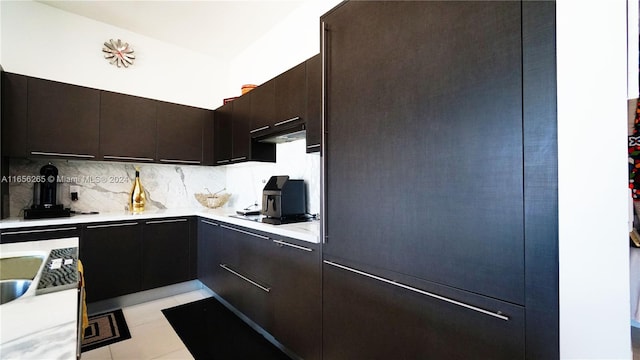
point(306, 231)
point(39, 326)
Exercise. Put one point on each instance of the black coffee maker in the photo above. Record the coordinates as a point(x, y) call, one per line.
point(45, 196)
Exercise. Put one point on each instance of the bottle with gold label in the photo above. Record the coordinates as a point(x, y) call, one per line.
point(137, 196)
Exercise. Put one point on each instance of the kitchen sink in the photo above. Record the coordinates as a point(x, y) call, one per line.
point(20, 267)
point(13, 289)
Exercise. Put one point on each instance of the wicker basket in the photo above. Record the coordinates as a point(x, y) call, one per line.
point(212, 201)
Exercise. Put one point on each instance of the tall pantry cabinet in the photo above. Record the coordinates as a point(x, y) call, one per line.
point(440, 231)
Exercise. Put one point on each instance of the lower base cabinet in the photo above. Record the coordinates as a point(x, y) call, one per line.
point(110, 254)
point(366, 317)
point(122, 258)
point(273, 281)
point(166, 248)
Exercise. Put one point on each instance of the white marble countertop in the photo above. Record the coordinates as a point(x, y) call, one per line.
point(39, 326)
point(306, 231)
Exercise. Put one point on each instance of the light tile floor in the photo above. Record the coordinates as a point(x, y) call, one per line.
point(152, 337)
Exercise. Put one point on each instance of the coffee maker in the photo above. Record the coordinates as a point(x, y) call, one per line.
point(45, 196)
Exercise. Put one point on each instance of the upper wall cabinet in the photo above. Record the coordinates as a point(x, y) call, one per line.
point(127, 128)
point(314, 104)
point(291, 99)
point(62, 120)
point(14, 115)
point(179, 131)
point(222, 134)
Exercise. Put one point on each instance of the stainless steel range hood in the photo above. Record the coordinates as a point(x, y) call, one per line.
point(297, 132)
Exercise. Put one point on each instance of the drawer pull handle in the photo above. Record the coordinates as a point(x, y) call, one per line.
point(259, 129)
point(281, 243)
point(287, 121)
point(224, 266)
point(109, 225)
point(498, 315)
point(180, 161)
point(38, 231)
point(239, 158)
point(313, 146)
point(62, 154)
point(246, 232)
point(165, 221)
point(115, 157)
point(222, 161)
point(209, 223)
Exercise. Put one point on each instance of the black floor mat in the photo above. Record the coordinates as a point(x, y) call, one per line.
point(211, 331)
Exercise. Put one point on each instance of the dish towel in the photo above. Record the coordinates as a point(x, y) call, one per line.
point(85, 316)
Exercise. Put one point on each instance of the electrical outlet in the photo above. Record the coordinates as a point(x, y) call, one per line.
point(74, 190)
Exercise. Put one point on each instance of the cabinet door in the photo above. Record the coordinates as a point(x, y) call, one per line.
point(14, 115)
point(291, 100)
point(62, 120)
point(180, 130)
point(432, 184)
point(223, 134)
point(313, 119)
point(365, 318)
point(250, 276)
point(127, 127)
point(165, 257)
point(209, 238)
point(111, 255)
point(241, 126)
point(263, 103)
point(297, 296)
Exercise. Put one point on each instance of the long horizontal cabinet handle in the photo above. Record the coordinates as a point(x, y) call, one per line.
point(239, 158)
point(83, 156)
point(222, 161)
point(245, 232)
point(115, 157)
point(287, 121)
point(224, 266)
point(259, 129)
point(313, 146)
point(180, 161)
point(284, 243)
point(39, 231)
point(209, 223)
point(498, 314)
point(165, 221)
point(110, 225)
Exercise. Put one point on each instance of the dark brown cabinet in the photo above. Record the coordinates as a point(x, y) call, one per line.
point(297, 296)
point(274, 281)
point(290, 99)
point(180, 133)
point(263, 106)
point(62, 120)
point(367, 318)
point(14, 115)
point(223, 134)
point(127, 127)
point(240, 127)
point(168, 250)
point(313, 119)
point(441, 112)
point(111, 254)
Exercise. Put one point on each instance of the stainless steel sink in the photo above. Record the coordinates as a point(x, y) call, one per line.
point(20, 267)
point(13, 289)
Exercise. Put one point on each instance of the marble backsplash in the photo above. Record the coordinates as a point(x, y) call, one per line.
point(105, 186)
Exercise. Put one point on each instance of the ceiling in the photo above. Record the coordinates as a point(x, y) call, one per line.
point(215, 28)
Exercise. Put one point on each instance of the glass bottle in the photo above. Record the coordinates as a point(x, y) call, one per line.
point(137, 197)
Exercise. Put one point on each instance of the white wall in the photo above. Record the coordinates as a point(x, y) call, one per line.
point(291, 42)
point(593, 197)
point(42, 41)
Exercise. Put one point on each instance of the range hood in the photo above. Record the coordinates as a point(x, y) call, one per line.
point(294, 133)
